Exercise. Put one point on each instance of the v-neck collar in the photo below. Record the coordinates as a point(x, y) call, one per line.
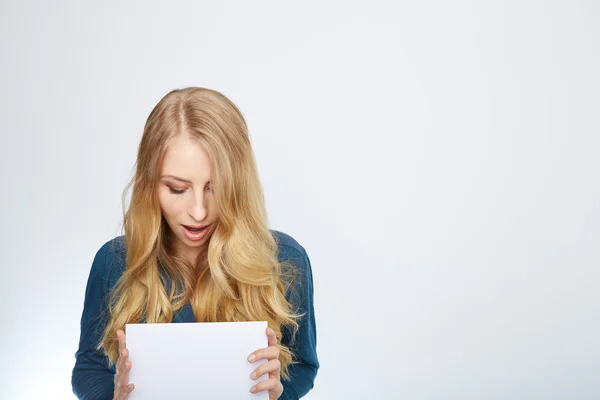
point(185, 314)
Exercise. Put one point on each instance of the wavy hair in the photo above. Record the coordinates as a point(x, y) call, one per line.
point(240, 277)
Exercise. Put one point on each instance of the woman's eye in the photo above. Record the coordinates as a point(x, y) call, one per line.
point(174, 191)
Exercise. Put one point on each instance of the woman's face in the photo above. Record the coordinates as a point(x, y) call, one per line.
point(186, 196)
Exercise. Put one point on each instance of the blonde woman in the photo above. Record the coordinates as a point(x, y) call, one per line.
point(196, 248)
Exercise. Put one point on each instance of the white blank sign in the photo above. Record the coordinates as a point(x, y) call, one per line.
point(202, 360)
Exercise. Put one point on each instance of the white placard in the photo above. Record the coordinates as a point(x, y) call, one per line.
point(202, 360)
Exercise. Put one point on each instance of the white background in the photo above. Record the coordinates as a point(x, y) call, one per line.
point(437, 159)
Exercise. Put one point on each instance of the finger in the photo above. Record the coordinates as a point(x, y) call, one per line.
point(269, 384)
point(273, 342)
point(271, 367)
point(272, 337)
point(124, 392)
point(276, 373)
point(266, 353)
point(121, 339)
point(124, 378)
point(123, 358)
point(123, 395)
point(127, 390)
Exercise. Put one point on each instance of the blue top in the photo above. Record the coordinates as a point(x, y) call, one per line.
point(92, 378)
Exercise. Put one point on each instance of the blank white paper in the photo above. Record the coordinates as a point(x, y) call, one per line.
point(200, 361)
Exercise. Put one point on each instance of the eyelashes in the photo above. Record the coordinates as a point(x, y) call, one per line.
point(177, 192)
point(173, 191)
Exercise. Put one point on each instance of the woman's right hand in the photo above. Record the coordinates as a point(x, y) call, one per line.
point(123, 366)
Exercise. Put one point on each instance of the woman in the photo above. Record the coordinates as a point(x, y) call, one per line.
point(197, 248)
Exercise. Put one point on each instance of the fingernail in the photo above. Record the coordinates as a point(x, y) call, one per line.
point(253, 389)
point(253, 375)
point(251, 357)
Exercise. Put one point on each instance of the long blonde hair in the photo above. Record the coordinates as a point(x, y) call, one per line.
point(242, 279)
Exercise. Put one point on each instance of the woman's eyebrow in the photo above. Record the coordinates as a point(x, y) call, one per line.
point(176, 178)
point(179, 179)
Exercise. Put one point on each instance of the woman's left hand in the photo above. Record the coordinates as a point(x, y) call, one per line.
point(272, 366)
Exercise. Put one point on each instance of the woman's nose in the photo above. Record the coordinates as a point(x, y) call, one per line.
point(198, 210)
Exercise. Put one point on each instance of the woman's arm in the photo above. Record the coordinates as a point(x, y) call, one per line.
point(302, 374)
point(92, 378)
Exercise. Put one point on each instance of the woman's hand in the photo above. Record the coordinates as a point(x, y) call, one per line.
point(273, 367)
point(123, 366)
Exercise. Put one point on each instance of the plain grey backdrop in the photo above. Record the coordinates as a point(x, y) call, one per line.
point(438, 160)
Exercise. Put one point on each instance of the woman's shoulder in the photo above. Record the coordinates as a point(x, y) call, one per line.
point(114, 249)
point(287, 244)
point(111, 258)
point(290, 250)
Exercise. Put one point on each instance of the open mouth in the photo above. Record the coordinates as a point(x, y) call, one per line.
point(194, 233)
point(194, 230)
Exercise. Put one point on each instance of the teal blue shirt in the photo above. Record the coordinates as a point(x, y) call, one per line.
point(92, 377)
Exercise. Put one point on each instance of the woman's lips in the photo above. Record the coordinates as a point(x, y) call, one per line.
point(194, 236)
point(195, 226)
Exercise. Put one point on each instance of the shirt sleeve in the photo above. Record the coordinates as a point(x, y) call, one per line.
point(304, 347)
point(92, 378)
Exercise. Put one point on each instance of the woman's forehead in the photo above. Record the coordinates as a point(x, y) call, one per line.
point(186, 159)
